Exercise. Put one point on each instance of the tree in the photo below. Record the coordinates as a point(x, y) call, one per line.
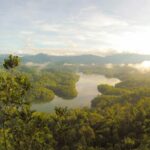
point(19, 128)
point(11, 62)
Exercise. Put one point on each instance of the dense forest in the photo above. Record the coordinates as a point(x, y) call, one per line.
point(48, 83)
point(119, 118)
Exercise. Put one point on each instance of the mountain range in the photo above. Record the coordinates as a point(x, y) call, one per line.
point(83, 59)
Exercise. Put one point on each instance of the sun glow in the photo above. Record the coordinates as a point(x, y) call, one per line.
point(146, 64)
point(136, 41)
point(143, 67)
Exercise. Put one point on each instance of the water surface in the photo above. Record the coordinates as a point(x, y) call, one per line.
point(87, 90)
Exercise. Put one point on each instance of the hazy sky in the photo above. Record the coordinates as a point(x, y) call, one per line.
point(75, 26)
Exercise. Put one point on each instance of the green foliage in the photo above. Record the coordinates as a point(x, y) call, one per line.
point(102, 101)
point(40, 94)
point(126, 109)
point(45, 85)
point(110, 90)
point(18, 129)
point(118, 120)
point(134, 83)
point(11, 62)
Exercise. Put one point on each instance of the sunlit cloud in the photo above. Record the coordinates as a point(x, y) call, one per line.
point(142, 67)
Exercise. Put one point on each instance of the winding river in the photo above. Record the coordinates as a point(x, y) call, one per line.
point(87, 90)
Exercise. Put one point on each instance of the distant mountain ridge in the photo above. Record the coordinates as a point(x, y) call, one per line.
point(84, 59)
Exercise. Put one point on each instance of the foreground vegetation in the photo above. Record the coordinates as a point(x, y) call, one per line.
point(118, 120)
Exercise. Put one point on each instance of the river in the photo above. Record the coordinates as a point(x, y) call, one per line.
point(87, 90)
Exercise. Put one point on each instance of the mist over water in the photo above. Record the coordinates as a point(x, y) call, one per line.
point(142, 67)
point(87, 90)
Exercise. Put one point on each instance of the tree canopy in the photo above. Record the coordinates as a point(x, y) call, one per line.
point(118, 120)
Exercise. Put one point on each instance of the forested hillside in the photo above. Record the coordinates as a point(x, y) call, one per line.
point(118, 120)
point(47, 84)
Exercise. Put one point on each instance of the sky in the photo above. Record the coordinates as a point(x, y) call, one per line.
point(68, 27)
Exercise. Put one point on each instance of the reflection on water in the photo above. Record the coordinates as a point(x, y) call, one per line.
point(87, 90)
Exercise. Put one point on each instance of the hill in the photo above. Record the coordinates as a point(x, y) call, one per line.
point(84, 59)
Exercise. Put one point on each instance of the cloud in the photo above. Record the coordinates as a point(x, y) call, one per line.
point(142, 67)
point(49, 27)
point(95, 27)
point(27, 32)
